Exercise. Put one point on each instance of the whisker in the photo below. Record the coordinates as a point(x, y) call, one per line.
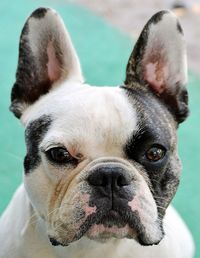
point(160, 198)
point(163, 208)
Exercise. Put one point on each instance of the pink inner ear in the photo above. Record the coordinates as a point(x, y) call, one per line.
point(53, 65)
point(156, 75)
point(156, 68)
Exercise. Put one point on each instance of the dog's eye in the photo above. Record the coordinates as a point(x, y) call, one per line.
point(59, 155)
point(155, 153)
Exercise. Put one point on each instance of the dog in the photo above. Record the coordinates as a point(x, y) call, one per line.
point(101, 166)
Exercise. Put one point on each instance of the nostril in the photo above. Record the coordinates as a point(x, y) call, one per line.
point(98, 179)
point(104, 181)
point(122, 181)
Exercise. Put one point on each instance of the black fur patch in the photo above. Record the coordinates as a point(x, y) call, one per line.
point(39, 13)
point(33, 136)
point(179, 28)
point(54, 242)
point(155, 123)
point(157, 17)
point(31, 80)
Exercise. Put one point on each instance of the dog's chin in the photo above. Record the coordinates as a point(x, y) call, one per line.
point(110, 226)
point(102, 233)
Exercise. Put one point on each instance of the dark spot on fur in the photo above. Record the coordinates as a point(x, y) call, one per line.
point(179, 28)
point(39, 13)
point(33, 135)
point(157, 17)
point(54, 242)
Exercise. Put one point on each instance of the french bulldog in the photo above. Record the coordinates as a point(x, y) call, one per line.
point(101, 166)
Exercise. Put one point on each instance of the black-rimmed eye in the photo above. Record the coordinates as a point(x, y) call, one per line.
point(59, 155)
point(155, 153)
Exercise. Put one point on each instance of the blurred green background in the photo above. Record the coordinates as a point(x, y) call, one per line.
point(103, 52)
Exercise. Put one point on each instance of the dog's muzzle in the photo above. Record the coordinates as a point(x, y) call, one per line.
point(111, 199)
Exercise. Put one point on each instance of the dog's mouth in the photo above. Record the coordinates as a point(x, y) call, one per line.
point(101, 227)
point(114, 224)
point(111, 225)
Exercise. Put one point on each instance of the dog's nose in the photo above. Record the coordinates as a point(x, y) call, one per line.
point(112, 177)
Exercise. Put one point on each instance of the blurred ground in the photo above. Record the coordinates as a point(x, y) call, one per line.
point(131, 15)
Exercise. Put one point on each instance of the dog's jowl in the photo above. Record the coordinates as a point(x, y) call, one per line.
point(101, 166)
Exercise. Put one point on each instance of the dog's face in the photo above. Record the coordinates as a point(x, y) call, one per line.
point(101, 162)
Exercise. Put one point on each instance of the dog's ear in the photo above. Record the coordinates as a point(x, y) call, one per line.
point(46, 57)
point(159, 62)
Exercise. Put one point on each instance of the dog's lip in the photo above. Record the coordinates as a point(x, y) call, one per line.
point(117, 219)
point(111, 219)
point(112, 213)
point(55, 242)
point(109, 215)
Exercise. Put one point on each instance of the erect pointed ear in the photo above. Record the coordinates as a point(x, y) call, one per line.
point(159, 62)
point(46, 56)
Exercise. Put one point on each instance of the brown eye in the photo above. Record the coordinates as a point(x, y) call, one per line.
point(59, 155)
point(155, 153)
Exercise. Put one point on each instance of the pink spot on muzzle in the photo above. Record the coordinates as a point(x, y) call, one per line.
point(134, 204)
point(87, 209)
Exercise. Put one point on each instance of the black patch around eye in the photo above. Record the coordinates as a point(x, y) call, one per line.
point(34, 134)
point(136, 143)
point(137, 147)
point(154, 122)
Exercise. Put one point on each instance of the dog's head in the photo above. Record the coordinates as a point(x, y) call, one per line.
point(101, 161)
